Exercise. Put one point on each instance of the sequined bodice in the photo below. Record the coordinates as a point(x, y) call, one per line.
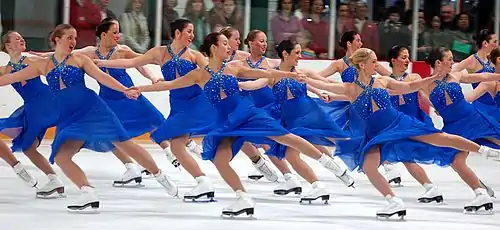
point(178, 66)
point(486, 68)
point(286, 85)
point(256, 65)
point(438, 97)
point(71, 76)
point(220, 83)
point(349, 74)
point(409, 99)
point(120, 74)
point(364, 103)
point(33, 87)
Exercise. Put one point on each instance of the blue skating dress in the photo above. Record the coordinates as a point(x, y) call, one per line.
point(137, 116)
point(237, 117)
point(409, 104)
point(190, 112)
point(83, 114)
point(485, 104)
point(460, 117)
point(39, 112)
point(302, 116)
point(391, 130)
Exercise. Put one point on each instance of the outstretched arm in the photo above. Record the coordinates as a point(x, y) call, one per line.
point(249, 73)
point(30, 72)
point(141, 60)
point(254, 85)
point(401, 87)
point(103, 78)
point(477, 77)
point(333, 68)
point(337, 88)
point(187, 80)
point(382, 71)
point(479, 91)
point(463, 65)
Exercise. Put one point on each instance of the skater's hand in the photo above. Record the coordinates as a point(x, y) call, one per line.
point(156, 80)
point(324, 96)
point(301, 77)
point(132, 92)
point(98, 62)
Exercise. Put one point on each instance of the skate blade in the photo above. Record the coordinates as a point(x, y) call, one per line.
point(54, 194)
point(485, 209)
point(437, 199)
point(255, 177)
point(308, 201)
point(282, 192)
point(90, 208)
point(387, 217)
point(202, 198)
point(238, 215)
point(129, 183)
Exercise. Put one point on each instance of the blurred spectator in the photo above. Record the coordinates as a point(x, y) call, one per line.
point(303, 38)
point(352, 6)
point(196, 12)
point(462, 41)
point(392, 31)
point(284, 24)
point(84, 16)
point(169, 15)
point(231, 16)
point(218, 28)
point(366, 28)
point(343, 18)
point(447, 13)
point(134, 26)
point(304, 9)
point(318, 27)
point(217, 9)
point(422, 47)
point(105, 12)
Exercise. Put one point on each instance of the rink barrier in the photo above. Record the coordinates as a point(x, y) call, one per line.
point(10, 100)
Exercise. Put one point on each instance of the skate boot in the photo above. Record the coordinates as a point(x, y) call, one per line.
point(204, 188)
point(481, 205)
point(143, 170)
point(167, 183)
point(490, 152)
point(243, 204)
point(319, 191)
point(431, 194)
point(86, 203)
point(171, 158)
point(489, 190)
point(394, 207)
point(131, 175)
point(263, 167)
point(392, 175)
point(291, 184)
point(54, 186)
point(194, 149)
point(25, 175)
point(334, 167)
point(255, 175)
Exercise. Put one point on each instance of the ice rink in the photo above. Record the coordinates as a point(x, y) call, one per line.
point(151, 208)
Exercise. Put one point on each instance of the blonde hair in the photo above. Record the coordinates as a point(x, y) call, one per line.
point(360, 55)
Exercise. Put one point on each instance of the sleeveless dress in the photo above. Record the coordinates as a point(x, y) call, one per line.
point(302, 116)
point(190, 112)
point(391, 130)
point(410, 105)
point(460, 117)
point(237, 117)
point(83, 114)
point(263, 97)
point(486, 105)
point(137, 116)
point(29, 122)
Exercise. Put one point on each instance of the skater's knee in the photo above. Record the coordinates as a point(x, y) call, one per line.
point(182, 140)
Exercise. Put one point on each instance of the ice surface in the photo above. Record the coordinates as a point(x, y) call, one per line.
point(151, 208)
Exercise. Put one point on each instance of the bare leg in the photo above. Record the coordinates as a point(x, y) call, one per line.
point(185, 159)
point(38, 159)
point(299, 144)
point(6, 154)
point(252, 152)
point(301, 167)
point(164, 144)
point(370, 167)
point(448, 140)
point(418, 173)
point(123, 157)
point(139, 154)
point(280, 164)
point(68, 166)
point(221, 161)
point(464, 171)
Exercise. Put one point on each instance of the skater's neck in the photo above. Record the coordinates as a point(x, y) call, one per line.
point(15, 57)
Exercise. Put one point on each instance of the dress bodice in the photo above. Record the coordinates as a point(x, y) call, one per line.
point(486, 67)
point(120, 74)
point(179, 66)
point(289, 85)
point(32, 88)
point(369, 97)
point(71, 76)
